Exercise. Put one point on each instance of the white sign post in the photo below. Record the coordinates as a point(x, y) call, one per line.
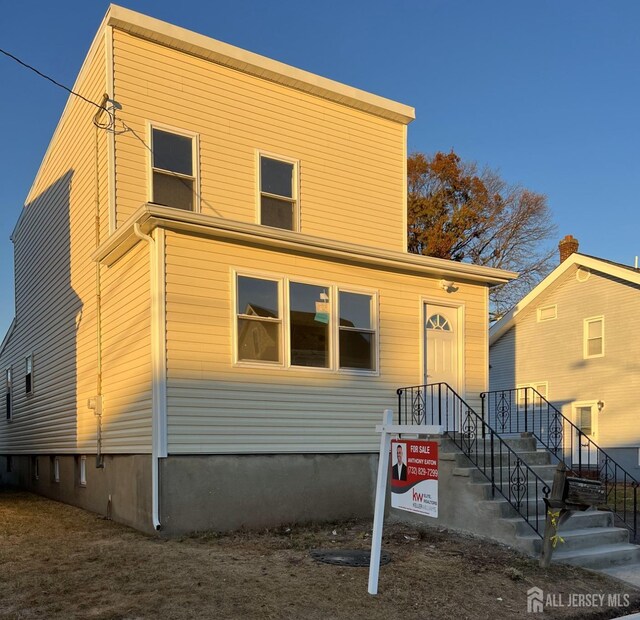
point(386, 430)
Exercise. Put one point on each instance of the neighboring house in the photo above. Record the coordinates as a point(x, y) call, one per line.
point(214, 301)
point(574, 340)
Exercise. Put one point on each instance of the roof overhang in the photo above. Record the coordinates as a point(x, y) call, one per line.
point(150, 216)
point(499, 328)
point(248, 62)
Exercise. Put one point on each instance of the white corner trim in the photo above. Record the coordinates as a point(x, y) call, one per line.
point(111, 135)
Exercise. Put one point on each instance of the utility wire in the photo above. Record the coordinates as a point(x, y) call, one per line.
point(46, 77)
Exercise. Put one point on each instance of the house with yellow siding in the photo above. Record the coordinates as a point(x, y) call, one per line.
point(214, 299)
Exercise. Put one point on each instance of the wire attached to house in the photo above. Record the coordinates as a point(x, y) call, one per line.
point(101, 107)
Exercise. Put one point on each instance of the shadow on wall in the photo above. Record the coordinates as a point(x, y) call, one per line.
point(48, 317)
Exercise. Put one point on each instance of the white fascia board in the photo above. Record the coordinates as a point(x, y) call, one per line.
point(237, 58)
point(499, 328)
point(148, 216)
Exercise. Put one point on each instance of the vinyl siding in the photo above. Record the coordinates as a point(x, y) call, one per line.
point(214, 407)
point(55, 285)
point(552, 351)
point(351, 162)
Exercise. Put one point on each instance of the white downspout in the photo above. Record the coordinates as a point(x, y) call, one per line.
point(158, 364)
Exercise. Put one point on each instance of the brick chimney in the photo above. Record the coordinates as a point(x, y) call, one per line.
point(567, 247)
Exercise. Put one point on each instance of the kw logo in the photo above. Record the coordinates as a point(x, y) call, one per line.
point(418, 497)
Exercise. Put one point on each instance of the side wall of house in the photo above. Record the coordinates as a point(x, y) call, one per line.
point(55, 284)
point(351, 162)
point(552, 351)
point(216, 407)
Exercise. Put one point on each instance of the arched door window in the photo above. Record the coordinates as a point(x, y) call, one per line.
point(437, 321)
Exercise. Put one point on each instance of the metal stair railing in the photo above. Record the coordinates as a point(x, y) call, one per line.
point(525, 410)
point(509, 475)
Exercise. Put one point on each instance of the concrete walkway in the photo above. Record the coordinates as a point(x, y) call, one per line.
point(629, 573)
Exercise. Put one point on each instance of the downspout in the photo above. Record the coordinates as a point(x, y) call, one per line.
point(156, 448)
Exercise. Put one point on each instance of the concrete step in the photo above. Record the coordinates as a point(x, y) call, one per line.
point(501, 508)
point(485, 489)
point(502, 473)
point(526, 444)
point(504, 459)
point(578, 520)
point(628, 572)
point(601, 556)
point(577, 539)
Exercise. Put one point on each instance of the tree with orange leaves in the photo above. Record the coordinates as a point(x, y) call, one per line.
point(457, 212)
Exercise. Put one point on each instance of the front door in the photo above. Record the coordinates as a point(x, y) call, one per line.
point(585, 418)
point(442, 351)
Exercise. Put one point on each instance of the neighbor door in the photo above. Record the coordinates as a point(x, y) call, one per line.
point(443, 356)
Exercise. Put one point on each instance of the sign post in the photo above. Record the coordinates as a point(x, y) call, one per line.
point(420, 461)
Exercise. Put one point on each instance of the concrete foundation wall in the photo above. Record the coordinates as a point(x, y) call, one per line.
point(125, 480)
point(627, 458)
point(228, 492)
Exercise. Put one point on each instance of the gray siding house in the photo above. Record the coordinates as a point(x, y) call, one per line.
point(575, 340)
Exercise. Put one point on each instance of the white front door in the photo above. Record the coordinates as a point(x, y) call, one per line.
point(441, 345)
point(585, 418)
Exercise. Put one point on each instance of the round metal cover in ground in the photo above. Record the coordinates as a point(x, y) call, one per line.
point(347, 557)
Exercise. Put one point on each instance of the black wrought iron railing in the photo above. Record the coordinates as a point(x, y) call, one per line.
point(525, 410)
point(438, 404)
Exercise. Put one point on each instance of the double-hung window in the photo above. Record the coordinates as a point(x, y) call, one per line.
point(28, 374)
point(278, 192)
point(259, 320)
point(295, 324)
point(173, 169)
point(594, 337)
point(8, 377)
point(357, 340)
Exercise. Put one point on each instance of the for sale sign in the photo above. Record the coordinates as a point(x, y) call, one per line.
point(414, 476)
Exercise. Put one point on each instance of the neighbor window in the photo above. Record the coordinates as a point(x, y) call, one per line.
point(173, 169)
point(8, 393)
point(259, 320)
point(357, 332)
point(28, 374)
point(594, 337)
point(541, 387)
point(309, 316)
point(278, 193)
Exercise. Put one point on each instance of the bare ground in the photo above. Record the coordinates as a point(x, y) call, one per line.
point(57, 561)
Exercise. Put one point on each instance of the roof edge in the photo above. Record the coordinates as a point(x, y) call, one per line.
point(7, 336)
point(176, 37)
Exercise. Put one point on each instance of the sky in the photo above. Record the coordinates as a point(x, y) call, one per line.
point(545, 92)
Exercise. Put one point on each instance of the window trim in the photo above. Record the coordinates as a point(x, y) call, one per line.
point(195, 155)
point(296, 219)
point(334, 348)
point(593, 405)
point(26, 374)
point(552, 318)
point(585, 339)
point(8, 391)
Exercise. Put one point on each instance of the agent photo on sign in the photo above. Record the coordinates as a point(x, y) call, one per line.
point(399, 470)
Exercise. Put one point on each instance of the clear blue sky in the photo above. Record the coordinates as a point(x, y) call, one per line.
point(545, 91)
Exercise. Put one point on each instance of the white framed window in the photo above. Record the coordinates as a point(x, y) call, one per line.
point(293, 323)
point(82, 478)
point(56, 469)
point(585, 417)
point(594, 337)
point(174, 168)
point(258, 320)
point(278, 189)
point(541, 387)
point(357, 330)
point(28, 374)
point(547, 313)
point(8, 399)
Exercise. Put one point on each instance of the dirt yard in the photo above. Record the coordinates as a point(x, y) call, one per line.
point(57, 561)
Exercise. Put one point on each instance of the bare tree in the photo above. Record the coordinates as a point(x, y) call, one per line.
point(458, 212)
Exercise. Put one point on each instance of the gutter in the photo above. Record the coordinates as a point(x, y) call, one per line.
point(150, 216)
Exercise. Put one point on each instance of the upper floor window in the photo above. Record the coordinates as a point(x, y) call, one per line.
point(174, 178)
point(278, 192)
point(594, 337)
point(8, 393)
point(28, 374)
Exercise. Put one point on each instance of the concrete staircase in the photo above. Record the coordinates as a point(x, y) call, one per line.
point(591, 539)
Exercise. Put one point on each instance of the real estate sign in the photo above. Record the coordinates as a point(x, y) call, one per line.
point(414, 476)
